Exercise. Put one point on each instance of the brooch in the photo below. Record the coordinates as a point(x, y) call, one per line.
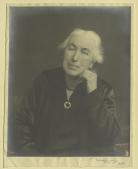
point(67, 105)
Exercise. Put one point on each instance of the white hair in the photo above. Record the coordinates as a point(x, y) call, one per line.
point(97, 44)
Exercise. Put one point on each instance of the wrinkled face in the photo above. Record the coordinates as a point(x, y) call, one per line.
point(78, 55)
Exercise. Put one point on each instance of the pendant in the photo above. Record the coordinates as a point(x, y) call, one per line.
point(67, 105)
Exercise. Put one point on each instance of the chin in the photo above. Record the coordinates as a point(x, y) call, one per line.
point(73, 73)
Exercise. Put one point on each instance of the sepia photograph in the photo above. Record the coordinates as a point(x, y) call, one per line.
point(69, 81)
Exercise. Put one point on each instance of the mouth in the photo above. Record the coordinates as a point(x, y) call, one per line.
point(74, 67)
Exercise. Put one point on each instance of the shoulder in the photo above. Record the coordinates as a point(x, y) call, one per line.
point(52, 73)
point(103, 83)
point(49, 76)
point(104, 87)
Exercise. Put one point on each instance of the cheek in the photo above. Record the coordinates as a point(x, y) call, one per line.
point(67, 56)
point(65, 59)
point(85, 62)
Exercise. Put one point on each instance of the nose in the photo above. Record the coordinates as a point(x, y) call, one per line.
point(75, 55)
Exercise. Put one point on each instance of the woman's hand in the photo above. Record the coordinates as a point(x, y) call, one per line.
point(91, 80)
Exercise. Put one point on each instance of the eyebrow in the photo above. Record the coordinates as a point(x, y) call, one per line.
point(72, 44)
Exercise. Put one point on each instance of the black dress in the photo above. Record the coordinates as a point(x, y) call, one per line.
point(43, 127)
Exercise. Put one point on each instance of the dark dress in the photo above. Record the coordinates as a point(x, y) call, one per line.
point(43, 127)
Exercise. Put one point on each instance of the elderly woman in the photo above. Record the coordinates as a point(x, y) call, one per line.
point(70, 111)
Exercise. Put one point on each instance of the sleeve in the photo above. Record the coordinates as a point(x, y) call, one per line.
point(103, 116)
point(24, 119)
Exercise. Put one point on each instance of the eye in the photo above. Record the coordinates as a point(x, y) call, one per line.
point(71, 47)
point(85, 51)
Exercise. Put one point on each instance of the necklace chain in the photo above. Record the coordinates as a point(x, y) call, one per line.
point(69, 93)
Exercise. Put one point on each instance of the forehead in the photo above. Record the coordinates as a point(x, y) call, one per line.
point(82, 41)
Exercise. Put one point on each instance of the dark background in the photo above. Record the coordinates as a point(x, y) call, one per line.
point(35, 33)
